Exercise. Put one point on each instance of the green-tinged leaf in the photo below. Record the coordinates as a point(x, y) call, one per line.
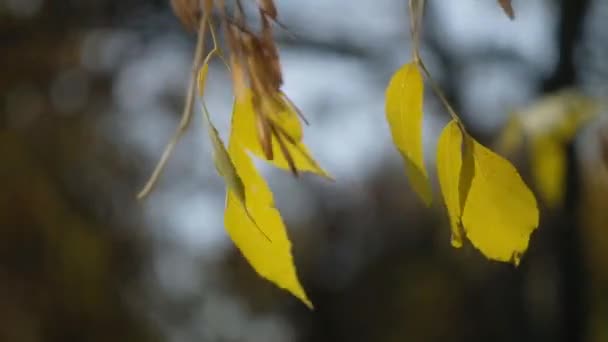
point(548, 161)
point(449, 163)
point(226, 168)
point(223, 163)
point(270, 259)
point(404, 102)
point(500, 212)
point(289, 123)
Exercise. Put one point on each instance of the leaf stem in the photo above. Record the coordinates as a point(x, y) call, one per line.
point(186, 114)
point(416, 9)
point(437, 90)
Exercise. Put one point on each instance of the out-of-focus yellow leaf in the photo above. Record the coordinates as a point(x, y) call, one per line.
point(548, 161)
point(404, 101)
point(549, 125)
point(561, 114)
point(449, 163)
point(500, 211)
point(270, 259)
point(512, 136)
point(289, 122)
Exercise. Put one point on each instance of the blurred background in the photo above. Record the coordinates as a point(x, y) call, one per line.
point(91, 91)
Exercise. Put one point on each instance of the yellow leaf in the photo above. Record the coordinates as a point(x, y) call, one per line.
point(270, 259)
point(404, 100)
point(548, 161)
point(449, 163)
point(500, 211)
point(512, 135)
point(287, 119)
point(289, 122)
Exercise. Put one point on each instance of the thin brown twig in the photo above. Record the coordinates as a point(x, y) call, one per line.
point(285, 151)
point(186, 114)
point(416, 11)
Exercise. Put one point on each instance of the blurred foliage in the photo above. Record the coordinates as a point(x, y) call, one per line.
point(62, 272)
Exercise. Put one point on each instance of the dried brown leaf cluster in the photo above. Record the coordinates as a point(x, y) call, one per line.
point(256, 68)
point(256, 72)
point(188, 12)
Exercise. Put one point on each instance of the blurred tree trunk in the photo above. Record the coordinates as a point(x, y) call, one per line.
point(567, 236)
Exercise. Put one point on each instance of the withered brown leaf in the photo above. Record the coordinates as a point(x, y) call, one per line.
point(188, 12)
point(268, 8)
point(507, 7)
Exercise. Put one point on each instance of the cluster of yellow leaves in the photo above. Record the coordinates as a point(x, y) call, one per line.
point(486, 199)
point(549, 125)
point(481, 190)
point(250, 208)
point(271, 258)
point(250, 218)
point(267, 125)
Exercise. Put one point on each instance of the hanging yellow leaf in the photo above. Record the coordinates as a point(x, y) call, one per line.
point(548, 161)
point(449, 163)
point(404, 100)
point(270, 259)
point(500, 211)
point(289, 123)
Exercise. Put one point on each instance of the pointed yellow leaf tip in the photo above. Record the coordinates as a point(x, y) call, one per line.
point(288, 121)
point(449, 163)
point(500, 212)
point(271, 258)
point(404, 101)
